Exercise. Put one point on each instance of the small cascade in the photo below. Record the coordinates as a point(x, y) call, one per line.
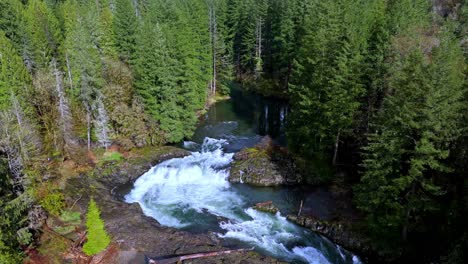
point(193, 192)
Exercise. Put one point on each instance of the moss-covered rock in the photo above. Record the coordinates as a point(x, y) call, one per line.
point(267, 207)
point(264, 165)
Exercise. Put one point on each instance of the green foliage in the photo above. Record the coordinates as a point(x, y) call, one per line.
point(382, 77)
point(70, 217)
point(53, 202)
point(326, 84)
point(131, 125)
point(407, 152)
point(10, 20)
point(14, 79)
point(42, 33)
point(112, 156)
point(53, 247)
point(172, 69)
point(13, 219)
point(98, 239)
point(125, 28)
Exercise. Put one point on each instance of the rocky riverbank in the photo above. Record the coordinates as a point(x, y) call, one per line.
point(340, 231)
point(133, 234)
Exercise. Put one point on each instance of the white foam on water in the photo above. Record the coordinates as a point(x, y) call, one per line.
point(194, 182)
point(263, 230)
point(356, 260)
point(199, 182)
point(191, 145)
point(311, 255)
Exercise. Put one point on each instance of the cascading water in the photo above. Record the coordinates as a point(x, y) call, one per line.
point(194, 192)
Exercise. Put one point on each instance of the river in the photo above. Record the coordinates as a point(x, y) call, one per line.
point(193, 193)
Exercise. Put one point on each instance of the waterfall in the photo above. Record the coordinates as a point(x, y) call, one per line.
point(194, 191)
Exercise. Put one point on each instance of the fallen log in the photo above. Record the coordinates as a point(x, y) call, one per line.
point(179, 259)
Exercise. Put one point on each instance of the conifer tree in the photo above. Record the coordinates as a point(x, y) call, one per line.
point(326, 84)
point(156, 80)
point(43, 34)
point(84, 60)
point(412, 138)
point(125, 28)
point(106, 37)
point(98, 239)
point(19, 143)
point(10, 21)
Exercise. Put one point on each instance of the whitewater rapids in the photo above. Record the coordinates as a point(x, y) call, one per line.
point(184, 192)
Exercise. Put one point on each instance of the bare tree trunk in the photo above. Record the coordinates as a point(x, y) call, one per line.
point(64, 110)
point(101, 123)
point(9, 146)
point(300, 208)
point(88, 127)
point(137, 10)
point(19, 119)
point(70, 79)
point(337, 143)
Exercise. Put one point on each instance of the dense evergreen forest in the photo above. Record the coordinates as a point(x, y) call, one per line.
point(379, 84)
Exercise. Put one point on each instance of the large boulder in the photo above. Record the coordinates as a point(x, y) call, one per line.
point(267, 207)
point(264, 165)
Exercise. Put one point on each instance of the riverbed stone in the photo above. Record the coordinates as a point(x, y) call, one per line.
point(267, 207)
point(264, 165)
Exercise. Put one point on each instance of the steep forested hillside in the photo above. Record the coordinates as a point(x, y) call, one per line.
point(381, 80)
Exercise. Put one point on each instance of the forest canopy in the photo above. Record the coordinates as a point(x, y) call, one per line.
point(382, 80)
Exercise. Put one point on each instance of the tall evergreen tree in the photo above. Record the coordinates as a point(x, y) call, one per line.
point(125, 28)
point(43, 34)
point(18, 145)
point(326, 83)
point(98, 239)
point(406, 153)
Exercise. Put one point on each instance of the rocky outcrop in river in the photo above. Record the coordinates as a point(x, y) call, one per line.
point(339, 232)
point(267, 207)
point(264, 165)
point(345, 234)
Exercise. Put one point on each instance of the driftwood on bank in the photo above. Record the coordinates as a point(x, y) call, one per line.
point(179, 259)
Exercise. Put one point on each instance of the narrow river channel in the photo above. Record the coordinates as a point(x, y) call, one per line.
point(193, 193)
